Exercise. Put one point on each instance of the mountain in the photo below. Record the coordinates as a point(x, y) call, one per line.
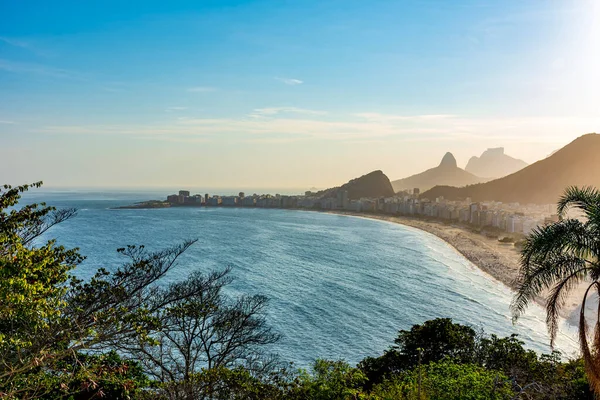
point(447, 173)
point(493, 163)
point(374, 184)
point(542, 182)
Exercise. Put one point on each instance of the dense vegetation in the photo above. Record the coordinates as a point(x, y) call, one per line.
point(126, 334)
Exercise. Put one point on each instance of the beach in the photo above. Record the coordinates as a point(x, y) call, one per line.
point(500, 260)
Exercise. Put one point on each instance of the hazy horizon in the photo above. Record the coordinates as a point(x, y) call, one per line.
point(286, 95)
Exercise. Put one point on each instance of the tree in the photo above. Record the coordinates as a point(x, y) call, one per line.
point(434, 340)
point(447, 380)
point(509, 356)
point(202, 329)
point(56, 329)
point(33, 284)
point(95, 376)
point(330, 380)
point(560, 256)
point(237, 383)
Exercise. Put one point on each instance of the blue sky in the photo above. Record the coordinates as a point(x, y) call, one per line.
point(286, 93)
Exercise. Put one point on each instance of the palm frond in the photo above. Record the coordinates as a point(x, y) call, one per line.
point(542, 275)
point(566, 236)
point(585, 198)
point(556, 301)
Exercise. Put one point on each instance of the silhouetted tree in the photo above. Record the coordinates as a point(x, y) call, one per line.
point(202, 329)
point(434, 340)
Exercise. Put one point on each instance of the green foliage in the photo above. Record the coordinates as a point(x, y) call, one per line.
point(221, 383)
point(330, 380)
point(84, 376)
point(33, 283)
point(508, 355)
point(446, 380)
point(527, 374)
point(432, 341)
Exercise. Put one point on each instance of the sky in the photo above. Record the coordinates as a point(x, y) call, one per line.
point(286, 94)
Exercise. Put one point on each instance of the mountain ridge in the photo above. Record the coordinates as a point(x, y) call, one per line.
point(446, 173)
point(543, 182)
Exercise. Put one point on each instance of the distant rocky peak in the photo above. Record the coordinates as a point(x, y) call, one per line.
point(494, 163)
point(448, 161)
point(493, 152)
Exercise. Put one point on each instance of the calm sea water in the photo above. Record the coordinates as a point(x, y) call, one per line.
point(340, 287)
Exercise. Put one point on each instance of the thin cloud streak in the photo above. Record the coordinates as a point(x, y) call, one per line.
point(38, 69)
point(15, 42)
point(290, 81)
point(272, 111)
point(201, 89)
point(26, 45)
point(281, 129)
point(387, 117)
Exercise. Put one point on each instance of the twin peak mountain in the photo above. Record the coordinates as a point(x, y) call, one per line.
point(493, 163)
point(493, 176)
point(377, 184)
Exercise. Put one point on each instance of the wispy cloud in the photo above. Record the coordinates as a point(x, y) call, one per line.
point(201, 89)
point(31, 46)
point(3, 121)
point(290, 81)
point(272, 111)
point(278, 126)
point(173, 109)
point(15, 42)
point(38, 69)
point(113, 89)
point(372, 116)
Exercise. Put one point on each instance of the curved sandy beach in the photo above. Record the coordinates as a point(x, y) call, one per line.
point(500, 260)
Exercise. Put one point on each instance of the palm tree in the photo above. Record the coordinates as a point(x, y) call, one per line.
point(559, 257)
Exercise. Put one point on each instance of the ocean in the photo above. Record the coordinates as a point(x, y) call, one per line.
point(340, 287)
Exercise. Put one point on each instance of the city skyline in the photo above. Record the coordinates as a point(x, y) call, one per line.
point(273, 94)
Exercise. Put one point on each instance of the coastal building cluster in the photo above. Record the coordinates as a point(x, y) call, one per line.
point(506, 217)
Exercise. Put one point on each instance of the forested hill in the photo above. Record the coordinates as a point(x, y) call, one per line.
point(373, 184)
point(543, 182)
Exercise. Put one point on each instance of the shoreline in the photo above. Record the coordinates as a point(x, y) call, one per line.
point(499, 260)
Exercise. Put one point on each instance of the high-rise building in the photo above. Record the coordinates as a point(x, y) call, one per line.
point(173, 198)
point(416, 191)
point(184, 193)
point(342, 199)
